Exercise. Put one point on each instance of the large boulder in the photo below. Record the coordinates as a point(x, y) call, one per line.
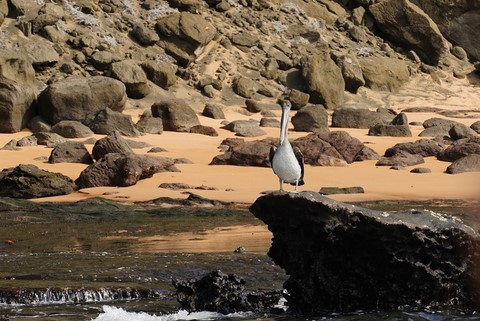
point(460, 148)
point(469, 163)
point(176, 115)
point(311, 118)
point(17, 91)
point(245, 128)
point(132, 76)
point(318, 151)
point(108, 121)
point(160, 73)
point(384, 73)
point(81, 98)
point(405, 23)
point(459, 23)
point(29, 181)
point(324, 80)
point(115, 169)
point(184, 34)
point(352, 72)
point(344, 258)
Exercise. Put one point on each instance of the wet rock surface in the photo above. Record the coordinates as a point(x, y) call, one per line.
point(223, 293)
point(343, 258)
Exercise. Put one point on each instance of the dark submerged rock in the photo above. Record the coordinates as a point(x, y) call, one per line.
point(343, 257)
point(222, 293)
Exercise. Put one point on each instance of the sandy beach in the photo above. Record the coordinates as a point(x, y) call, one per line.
point(245, 184)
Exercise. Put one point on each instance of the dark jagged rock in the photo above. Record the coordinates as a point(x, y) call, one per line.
point(342, 257)
point(108, 121)
point(423, 147)
point(223, 293)
point(460, 148)
point(29, 181)
point(311, 118)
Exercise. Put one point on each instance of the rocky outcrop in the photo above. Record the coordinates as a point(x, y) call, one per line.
point(29, 181)
point(384, 73)
point(80, 98)
point(459, 23)
point(407, 24)
point(343, 258)
point(17, 91)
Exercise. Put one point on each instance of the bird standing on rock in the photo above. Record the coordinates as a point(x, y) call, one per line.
point(287, 163)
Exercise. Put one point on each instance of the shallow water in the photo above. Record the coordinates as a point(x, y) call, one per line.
point(104, 261)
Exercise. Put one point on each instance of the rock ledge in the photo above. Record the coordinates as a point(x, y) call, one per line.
point(342, 257)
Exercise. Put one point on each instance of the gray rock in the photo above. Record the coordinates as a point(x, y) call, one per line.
point(40, 52)
point(108, 121)
point(71, 129)
point(27, 141)
point(176, 115)
point(183, 35)
point(148, 124)
point(144, 35)
point(390, 130)
point(269, 122)
point(460, 148)
point(324, 80)
point(162, 74)
point(123, 170)
point(469, 163)
point(366, 154)
point(133, 76)
point(298, 99)
point(352, 73)
point(359, 118)
point(113, 143)
point(49, 139)
point(341, 190)
point(70, 152)
point(434, 131)
point(423, 147)
point(204, 130)
point(401, 158)
point(245, 87)
point(102, 60)
point(245, 128)
point(29, 181)
point(245, 39)
point(384, 73)
point(460, 131)
point(80, 98)
point(476, 126)
point(213, 111)
point(311, 118)
point(354, 260)
point(39, 124)
point(17, 91)
point(404, 22)
point(431, 122)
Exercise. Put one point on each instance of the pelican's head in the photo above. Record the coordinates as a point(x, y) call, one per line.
point(286, 105)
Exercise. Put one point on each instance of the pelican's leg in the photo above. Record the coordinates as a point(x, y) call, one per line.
point(281, 186)
point(296, 186)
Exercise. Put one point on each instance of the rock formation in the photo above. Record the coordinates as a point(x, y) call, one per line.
point(343, 258)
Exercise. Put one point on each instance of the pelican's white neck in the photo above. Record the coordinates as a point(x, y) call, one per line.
point(284, 122)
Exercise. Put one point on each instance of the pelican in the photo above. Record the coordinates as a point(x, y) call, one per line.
point(287, 163)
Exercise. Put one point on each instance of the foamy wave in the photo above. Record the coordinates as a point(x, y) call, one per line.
point(118, 314)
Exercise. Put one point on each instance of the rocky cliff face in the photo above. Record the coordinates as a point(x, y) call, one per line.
point(344, 258)
point(218, 50)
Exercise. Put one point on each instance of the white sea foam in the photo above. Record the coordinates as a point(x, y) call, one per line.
point(118, 314)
